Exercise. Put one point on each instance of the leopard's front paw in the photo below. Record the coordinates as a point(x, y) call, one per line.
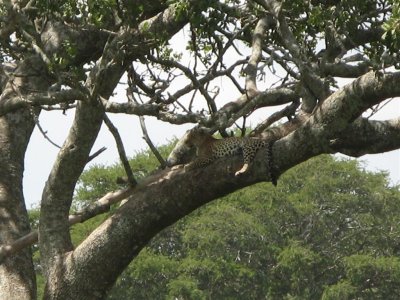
point(242, 170)
point(176, 167)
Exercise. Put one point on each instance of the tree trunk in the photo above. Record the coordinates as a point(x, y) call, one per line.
point(17, 275)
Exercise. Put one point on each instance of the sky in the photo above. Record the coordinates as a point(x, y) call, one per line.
point(41, 154)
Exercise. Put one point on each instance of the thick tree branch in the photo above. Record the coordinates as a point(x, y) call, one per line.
point(17, 274)
point(256, 54)
point(58, 191)
point(341, 69)
point(336, 113)
point(131, 227)
point(349, 102)
point(11, 104)
point(365, 136)
point(354, 39)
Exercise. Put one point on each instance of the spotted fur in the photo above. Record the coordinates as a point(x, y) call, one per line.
point(210, 149)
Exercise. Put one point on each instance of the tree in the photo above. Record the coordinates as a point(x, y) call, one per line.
point(72, 55)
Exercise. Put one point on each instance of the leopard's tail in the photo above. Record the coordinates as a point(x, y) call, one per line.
point(270, 163)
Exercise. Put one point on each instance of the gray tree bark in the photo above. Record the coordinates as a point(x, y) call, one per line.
point(17, 276)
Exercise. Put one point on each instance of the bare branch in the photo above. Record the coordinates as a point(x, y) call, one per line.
point(243, 106)
point(10, 104)
point(289, 111)
point(155, 110)
point(121, 151)
point(97, 153)
point(195, 82)
point(146, 137)
point(44, 133)
point(202, 81)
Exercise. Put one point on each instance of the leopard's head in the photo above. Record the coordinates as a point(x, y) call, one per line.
point(197, 136)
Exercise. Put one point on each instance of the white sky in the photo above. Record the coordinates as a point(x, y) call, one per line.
point(41, 154)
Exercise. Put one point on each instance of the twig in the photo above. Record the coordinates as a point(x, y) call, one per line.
point(146, 137)
point(378, 107)
point(288, 112)
point(44, 133)
point(121, 151)
point(97, 153)
point(52, 108)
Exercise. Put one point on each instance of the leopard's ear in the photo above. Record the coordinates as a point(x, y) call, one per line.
point(193, 135)
point(199, 131)
point(203, 130)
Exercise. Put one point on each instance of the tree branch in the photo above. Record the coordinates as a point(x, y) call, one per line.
point(121, 151)
point(331, 118)
point(256, 54)
point(365, 136)
point(59, 188)
point(341, 69)
point(243, 106)
point(44, 133)
point(146, 137)
point(349, 102)
point(289, 111)
point(11, 104)
point(97, 153)
point(155, 110)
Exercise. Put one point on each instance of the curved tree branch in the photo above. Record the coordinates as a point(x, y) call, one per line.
point(365, 136)
point(256, 54)
point(11, 104)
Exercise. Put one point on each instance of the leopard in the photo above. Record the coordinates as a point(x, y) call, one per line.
point(210, 149)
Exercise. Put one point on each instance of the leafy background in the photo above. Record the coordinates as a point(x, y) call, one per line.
point(329, 230)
